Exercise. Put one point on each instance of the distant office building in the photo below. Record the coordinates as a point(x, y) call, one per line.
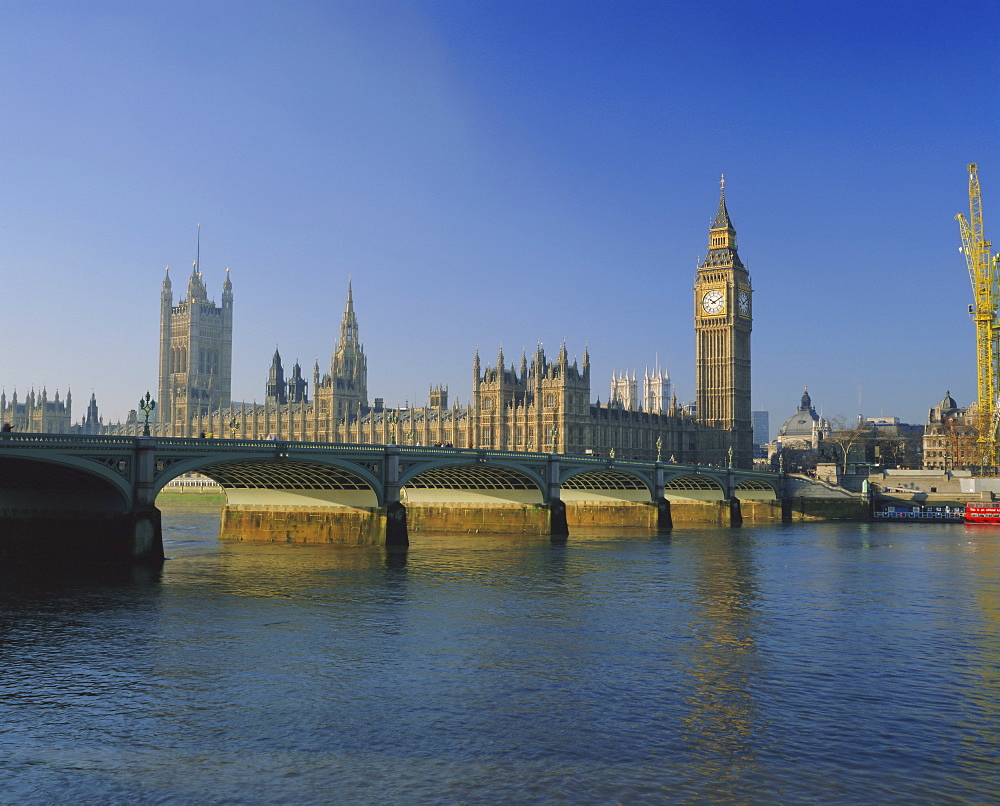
point(761, 428)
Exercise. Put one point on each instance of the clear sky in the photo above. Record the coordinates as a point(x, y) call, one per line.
point(497, 173)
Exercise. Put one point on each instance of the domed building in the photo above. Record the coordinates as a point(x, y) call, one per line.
point(950, 436)
point(803, 431)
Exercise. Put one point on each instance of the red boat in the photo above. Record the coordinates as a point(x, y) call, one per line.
point(983, 513)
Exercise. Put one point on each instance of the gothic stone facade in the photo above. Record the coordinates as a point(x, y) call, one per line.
point(541, 405)
point(196, 353)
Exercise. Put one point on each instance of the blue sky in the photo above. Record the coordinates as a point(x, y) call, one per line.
point(496, 173)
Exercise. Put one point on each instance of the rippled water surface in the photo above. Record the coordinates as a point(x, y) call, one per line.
point(830, 663)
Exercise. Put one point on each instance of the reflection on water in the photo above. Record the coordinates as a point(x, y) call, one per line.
point(722, 727)
point(802, 663)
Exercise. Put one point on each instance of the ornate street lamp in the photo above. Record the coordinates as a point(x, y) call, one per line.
point(659, 448)
point(232, 428)
point(146, 406)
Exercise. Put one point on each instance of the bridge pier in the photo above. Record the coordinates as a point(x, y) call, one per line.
point(558, 526)
point(147, 525)
point(663, 517)
point(735, 512)
point(395, 525)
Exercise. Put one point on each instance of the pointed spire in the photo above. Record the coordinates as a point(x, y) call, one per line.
point(721, 238)
point(722, 216)
point(349, 322)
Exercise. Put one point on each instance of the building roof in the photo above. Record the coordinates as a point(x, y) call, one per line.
point(800, 424)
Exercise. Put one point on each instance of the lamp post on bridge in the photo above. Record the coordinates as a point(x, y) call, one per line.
point(232, 428)
point(146, 406)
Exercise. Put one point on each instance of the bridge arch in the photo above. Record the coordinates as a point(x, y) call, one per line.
point(470, 482)
point(756, 489)
point(605, 484)
point(697, 486)
point(286, 481)
point(67, 482)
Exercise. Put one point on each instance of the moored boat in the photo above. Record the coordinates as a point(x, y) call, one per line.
point(983, 512)
point(920, 514)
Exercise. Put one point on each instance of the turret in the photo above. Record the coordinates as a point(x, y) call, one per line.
point(296, 387)
point(167, 292)
point(227, 292)
point(163, 410)
point(276, 380)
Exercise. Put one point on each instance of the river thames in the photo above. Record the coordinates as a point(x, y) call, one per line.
point(821, 663)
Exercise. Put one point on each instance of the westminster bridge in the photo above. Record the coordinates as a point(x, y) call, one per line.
point(68, 495)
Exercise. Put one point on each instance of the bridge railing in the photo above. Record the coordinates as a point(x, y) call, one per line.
point(65, 440)
point(199, 444)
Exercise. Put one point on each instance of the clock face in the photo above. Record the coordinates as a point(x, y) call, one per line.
point(744, 303)
point(713, 301)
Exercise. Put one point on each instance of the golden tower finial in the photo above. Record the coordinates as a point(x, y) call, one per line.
point(722, 183)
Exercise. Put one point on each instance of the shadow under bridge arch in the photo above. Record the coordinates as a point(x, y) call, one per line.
point(605, 485)
point(67, 484)
point(471, 483)
point(291, 482)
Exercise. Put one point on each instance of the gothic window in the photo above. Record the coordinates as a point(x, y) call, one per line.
point(550, 401)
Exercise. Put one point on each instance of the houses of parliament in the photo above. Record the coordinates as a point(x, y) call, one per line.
point(540, 403)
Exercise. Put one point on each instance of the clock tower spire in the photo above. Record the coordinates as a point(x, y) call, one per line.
point(722, 323)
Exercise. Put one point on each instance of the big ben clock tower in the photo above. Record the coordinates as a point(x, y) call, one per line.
point(723, 319)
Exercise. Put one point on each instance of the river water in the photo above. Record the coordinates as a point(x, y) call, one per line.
point(822, 663)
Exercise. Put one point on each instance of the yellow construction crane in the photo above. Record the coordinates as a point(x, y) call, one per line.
point(983, 272)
